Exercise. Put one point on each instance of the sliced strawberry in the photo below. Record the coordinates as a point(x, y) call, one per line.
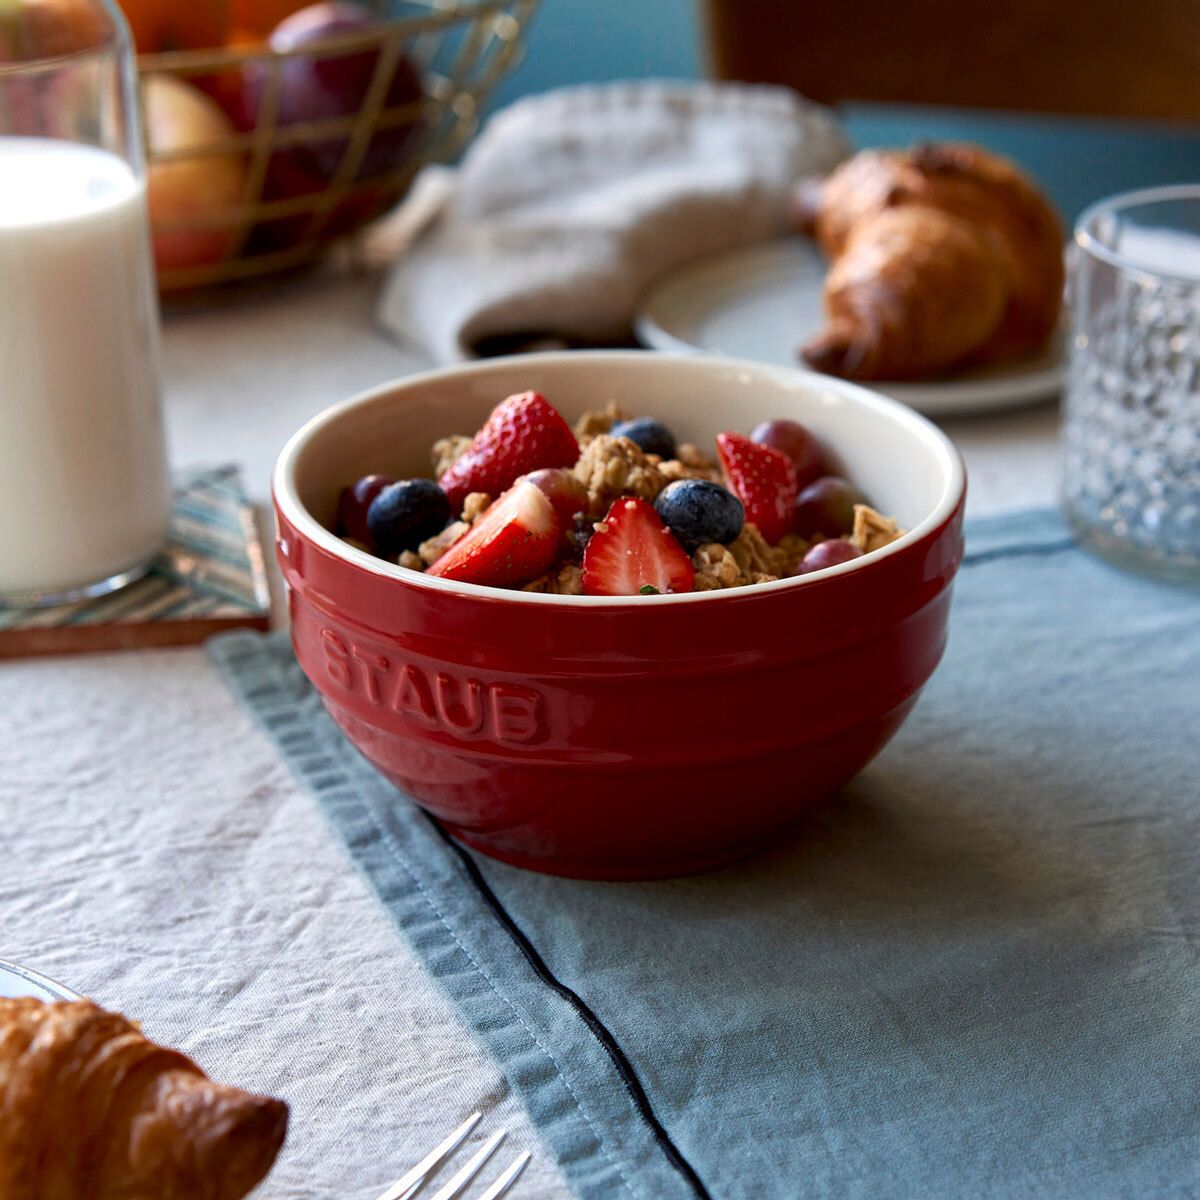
point(763, 479)
point(633, 552)
point(522, 434)
point(514, 541)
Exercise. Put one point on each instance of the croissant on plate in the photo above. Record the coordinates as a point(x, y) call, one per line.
point(92, 1110)
point(941, 256)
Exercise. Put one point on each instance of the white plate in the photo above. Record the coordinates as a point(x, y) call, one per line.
point(761, 303)
point(20, 981)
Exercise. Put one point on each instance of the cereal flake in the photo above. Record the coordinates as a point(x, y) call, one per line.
point(872, 530)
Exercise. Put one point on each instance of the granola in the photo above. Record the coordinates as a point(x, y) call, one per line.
point(788, 553)
point(612, 467)
point(695, 458)
point(566, 581)
point(872, 530)
point(430, 550)
point(673, 469)
point(474, 506)
point(599, 420)
point(447, 451)
point(592, 517)
point(752, 554)
point(690, 462)
point(747, 560)
point(716, 568)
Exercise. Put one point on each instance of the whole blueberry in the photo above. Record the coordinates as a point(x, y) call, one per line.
point(652, 436)
point(698, 510)
point(404, 514)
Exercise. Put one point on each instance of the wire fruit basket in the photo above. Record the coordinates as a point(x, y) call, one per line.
point(299, 183)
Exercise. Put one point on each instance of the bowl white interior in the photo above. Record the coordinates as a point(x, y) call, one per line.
point(905, 465)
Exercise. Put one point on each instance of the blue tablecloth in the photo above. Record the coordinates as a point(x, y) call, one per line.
point(977, 973)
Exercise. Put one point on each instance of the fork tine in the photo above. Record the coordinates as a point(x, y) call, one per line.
point(457, 1185)
point(406, 1183)
point(508, 1178)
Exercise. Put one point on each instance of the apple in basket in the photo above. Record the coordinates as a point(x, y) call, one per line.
point(48, 28)
point(329, 86)
point(256, 18)
point(200, 192)
point(162, 25)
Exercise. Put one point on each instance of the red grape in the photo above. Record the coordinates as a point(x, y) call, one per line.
point(562, 489)
point(353, 505)
point(827, 554)
point(792, 439)
point(827, 506)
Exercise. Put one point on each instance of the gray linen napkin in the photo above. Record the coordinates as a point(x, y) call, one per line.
point(570, 204)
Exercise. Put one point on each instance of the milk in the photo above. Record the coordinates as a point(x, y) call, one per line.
point(83, 482)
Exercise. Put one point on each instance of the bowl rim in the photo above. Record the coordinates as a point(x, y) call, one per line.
point(288, 502)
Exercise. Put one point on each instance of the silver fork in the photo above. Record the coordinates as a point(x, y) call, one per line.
point(409, 1184)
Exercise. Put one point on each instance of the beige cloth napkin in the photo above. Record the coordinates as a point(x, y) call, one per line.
point(572, 203)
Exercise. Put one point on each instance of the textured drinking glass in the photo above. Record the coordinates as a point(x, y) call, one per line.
point(84, 494)
point(1131, 427)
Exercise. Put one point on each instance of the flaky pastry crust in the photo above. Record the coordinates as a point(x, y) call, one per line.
point(92, 1110)
point(969, 213)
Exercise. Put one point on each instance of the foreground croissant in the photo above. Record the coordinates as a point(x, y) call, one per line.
point(940, 257)
point(92, 1110)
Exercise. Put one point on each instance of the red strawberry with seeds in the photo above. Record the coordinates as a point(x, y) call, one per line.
point(763, 479)
point(633, 552)
point(514, 541)
point(522, 434)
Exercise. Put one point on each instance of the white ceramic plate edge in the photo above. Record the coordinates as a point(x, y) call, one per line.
point(671, 311)
point(16, 980)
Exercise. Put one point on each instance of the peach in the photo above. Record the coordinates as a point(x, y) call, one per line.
point(201, 191)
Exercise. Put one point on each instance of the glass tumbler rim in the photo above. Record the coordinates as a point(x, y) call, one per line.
point(1089, 243)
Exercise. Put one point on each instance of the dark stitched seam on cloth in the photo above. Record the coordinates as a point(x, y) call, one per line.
point(312, 765)
point(596, 1027)
point(986, 556)
point(396, 853)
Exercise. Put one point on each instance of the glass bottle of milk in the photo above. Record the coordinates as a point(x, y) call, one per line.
point(84, 493)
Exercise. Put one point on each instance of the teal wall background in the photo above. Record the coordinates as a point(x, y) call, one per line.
point(580, 41)
point(1076, 160)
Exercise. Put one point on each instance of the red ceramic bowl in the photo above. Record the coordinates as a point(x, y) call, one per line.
point(635, 737)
